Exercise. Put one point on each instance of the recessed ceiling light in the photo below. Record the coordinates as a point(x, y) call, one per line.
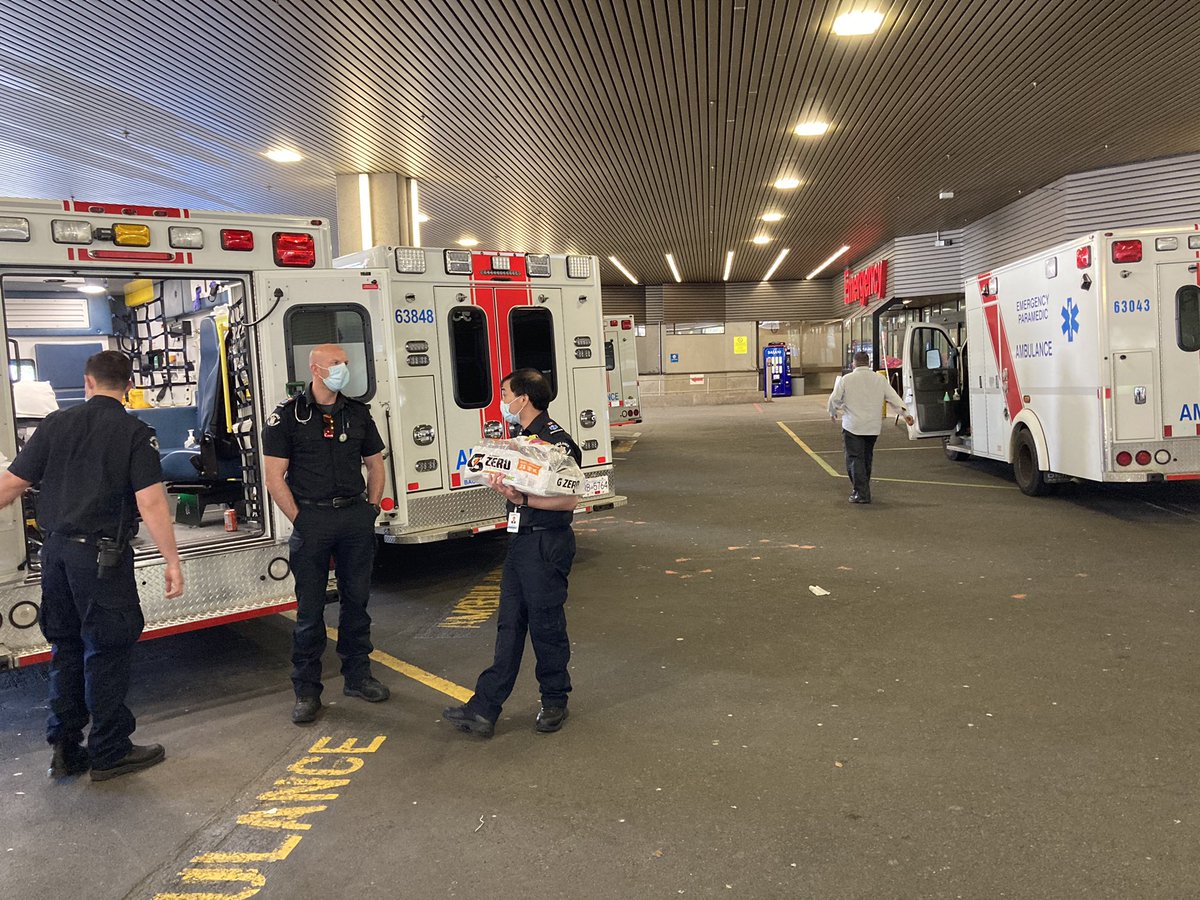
point(775, 265)
point(92, 289)
point(827, 262)
point(857, 23)
point(787, 184)
point(624, 271)
point(811, 129)
point(674, 268)
point(761, 239)
point(945, 195)
point(283, 155)
point(728, 265)
point(772, 217)
point(422, 218)
point(467, 242)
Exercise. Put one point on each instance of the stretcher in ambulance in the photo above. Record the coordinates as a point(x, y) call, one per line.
point(454, 323)
point(621, 370)
point(1082, 361)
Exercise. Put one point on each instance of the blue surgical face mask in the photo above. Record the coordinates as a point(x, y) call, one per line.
point(508, 414)
point(338, 377)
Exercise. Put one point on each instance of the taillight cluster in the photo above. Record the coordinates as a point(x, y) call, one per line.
point(1161, 456)
point(628, 413)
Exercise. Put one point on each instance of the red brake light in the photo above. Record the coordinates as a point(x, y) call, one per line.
point(612, 323)
point(1124, 458)
point(626, 324)
point(295, 250)
point(1083, 257)
point(1143, 457)
point(1127, 251)
point(236, 239)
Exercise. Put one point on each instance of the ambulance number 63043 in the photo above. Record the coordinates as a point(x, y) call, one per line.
point(414, 316)
point(1131, 306)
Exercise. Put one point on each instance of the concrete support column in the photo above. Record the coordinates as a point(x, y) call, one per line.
point(375, 208)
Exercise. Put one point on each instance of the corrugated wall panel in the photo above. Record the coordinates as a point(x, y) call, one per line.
point(1035, 221)
point(784, 300)
point(629, 300)
point(1148, 193)
point(919, 269)
point(654, 304)
point(694, 302)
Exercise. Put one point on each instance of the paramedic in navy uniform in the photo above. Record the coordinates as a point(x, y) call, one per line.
point(97, 467)
point(315, 446)
point(533, 588)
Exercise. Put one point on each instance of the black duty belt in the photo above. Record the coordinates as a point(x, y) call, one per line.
point(533, 528)
point(335, 503)
point(76, 538)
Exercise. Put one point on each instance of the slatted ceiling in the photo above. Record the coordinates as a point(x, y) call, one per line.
point(614, 135)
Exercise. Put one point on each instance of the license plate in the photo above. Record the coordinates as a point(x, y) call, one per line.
point(595, 486)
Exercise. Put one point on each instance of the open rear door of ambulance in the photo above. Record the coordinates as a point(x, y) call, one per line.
point(930, 380)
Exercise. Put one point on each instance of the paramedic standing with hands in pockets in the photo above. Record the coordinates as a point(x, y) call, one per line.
point(858, 398)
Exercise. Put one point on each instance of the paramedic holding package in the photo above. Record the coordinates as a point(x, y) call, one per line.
point(314, 447)
point(533, 588)
point(97, 468)
point(858, 398)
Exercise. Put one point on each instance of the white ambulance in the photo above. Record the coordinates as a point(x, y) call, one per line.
point(1082, 361)
point(455, 323)
point(621, 371)
point(180, 292)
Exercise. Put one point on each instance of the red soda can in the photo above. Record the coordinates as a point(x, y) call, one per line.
point(231, 519)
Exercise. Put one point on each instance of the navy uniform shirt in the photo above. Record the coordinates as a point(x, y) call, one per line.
point(89, 461)
point(321, 468)
point(546, 429)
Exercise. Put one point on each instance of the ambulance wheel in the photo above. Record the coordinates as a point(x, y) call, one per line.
point(953, 454)
point(1030, 478)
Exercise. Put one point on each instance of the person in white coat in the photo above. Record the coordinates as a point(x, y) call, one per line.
point(858, 398)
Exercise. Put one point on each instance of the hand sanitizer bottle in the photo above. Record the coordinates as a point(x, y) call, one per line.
point(191, 443)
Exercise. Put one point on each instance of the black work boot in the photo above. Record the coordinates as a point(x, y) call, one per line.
point(550, 719)
point(465, 720)
point(69, 759)
point(134, 761)
point(306, 710)
point(370, 689)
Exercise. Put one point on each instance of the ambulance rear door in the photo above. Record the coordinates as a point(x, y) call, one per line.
point(12, 518)
point(297, 311)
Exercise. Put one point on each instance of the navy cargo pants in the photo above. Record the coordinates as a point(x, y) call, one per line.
point(348, 535)
point(92, 624)
point(533, 589)
point(860, 451)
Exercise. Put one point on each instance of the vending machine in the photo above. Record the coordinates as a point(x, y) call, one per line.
point(777, 371)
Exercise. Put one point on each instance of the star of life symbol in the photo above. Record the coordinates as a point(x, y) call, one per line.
point(1070, 315)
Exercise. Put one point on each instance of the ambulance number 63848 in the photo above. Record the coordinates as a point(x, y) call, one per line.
point(414, 316)
point(1131, 306)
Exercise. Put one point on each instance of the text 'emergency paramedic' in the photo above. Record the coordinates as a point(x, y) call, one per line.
point(1033, 309)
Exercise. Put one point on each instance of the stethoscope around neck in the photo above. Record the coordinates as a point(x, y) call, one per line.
point(302, 399)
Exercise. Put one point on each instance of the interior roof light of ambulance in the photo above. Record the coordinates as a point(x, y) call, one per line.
point(14, 228)
point(1194, 241)
point(71, 231)
point(458, 262)
point(237, 239)
point(186, 237)
point(501, 263)
point(579, 267)
point(410, 260)
point(294, 250)
point(1167, 243)
point(537, 265)
point(1083, 257)
point(1127, 251)
point(126, 235)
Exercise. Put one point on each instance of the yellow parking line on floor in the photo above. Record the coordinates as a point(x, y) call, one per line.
point(836, 474)
point(408, 670)
point(809, 450)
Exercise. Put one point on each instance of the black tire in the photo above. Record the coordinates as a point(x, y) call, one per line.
point(951, 453)
point(1030, 478)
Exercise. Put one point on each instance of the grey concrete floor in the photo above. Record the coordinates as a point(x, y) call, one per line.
point(996, 698)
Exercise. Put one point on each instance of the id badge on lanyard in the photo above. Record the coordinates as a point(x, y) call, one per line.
point(514, 521)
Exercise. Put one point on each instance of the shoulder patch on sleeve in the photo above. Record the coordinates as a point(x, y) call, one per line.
point(553, 426)
point(564, 447)
point(154, 442)
point(273, 419)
